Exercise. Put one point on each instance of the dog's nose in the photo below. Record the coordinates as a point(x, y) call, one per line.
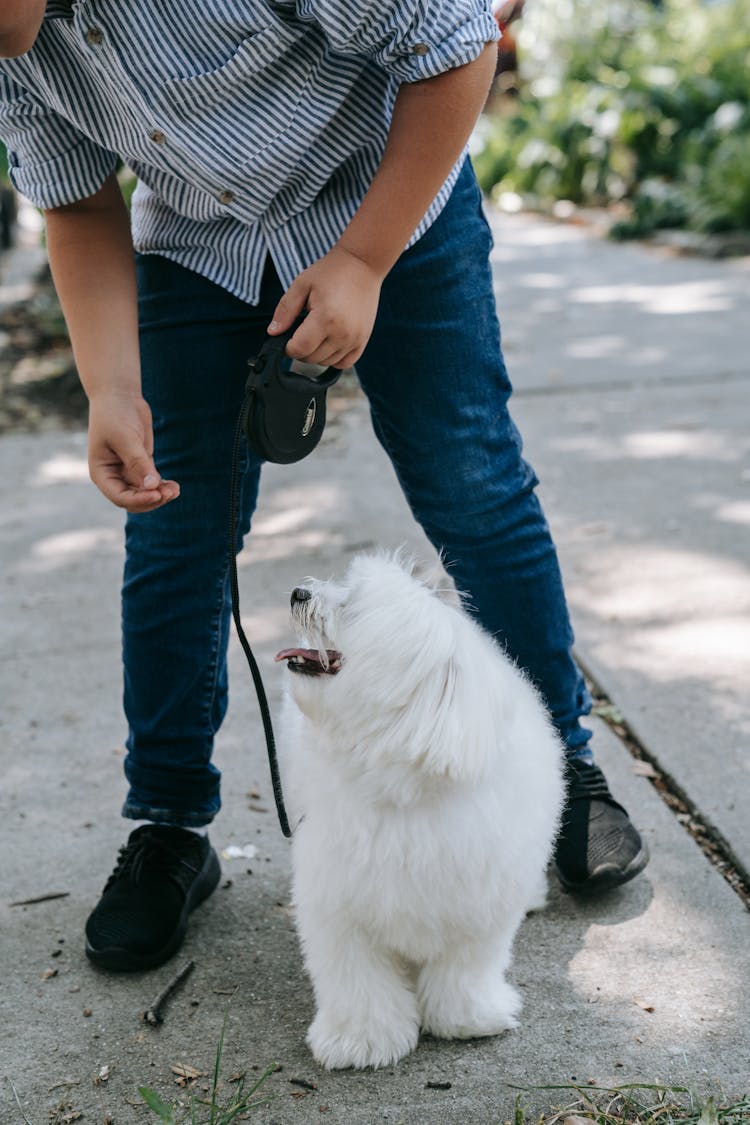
point(300, 594)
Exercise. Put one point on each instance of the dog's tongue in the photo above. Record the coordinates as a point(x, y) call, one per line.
point(309, 660)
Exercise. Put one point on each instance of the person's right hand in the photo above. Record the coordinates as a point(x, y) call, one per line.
point(121, 447)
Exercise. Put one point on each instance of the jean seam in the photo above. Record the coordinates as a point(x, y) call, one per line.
point(210, 698)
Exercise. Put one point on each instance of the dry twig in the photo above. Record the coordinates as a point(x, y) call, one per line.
point(40, 898)
point(153, 1014)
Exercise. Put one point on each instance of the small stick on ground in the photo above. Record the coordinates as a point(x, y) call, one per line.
point(40, 898)
point(153, 1015)
point(304, 1083)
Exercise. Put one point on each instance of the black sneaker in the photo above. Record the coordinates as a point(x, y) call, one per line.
point(597, 848)
point(162, 874)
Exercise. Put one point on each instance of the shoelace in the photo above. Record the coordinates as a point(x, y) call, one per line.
point(149, 850)
point(587, 782)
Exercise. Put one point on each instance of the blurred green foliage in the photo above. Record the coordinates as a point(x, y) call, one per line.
point(3, 165)
point(624, 101)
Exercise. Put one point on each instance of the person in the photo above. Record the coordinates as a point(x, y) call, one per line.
point(291, 155)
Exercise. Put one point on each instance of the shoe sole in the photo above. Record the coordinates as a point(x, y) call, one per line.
point(607, 877)
point(124, 961)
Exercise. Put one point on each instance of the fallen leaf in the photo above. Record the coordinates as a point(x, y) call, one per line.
point(102, 1076)
point(643, 1004)
point(184, 1073)
point(643, 768)
point(609, 712)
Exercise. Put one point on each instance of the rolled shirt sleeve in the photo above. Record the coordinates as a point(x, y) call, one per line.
point(49, 161)
point(411, 39)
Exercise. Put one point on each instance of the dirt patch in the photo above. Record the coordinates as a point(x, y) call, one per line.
point(39, 386)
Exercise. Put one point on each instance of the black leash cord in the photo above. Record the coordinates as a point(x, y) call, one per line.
point(265, 713)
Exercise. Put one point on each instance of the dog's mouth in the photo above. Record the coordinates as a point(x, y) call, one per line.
point(311, 662)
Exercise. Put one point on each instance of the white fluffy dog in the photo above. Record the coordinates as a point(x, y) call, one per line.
point(426, 780)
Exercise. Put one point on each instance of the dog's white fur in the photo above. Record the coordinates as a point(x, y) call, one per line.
point(426, 780)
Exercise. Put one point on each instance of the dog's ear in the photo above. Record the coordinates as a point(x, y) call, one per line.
point(434, 576)
point(464, 736)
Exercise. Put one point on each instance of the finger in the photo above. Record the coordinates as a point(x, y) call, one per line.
point(329, 352)
point(139, 470)
point(141, 474)
point(349, 359)
point(308, 341)
point(139, 500)
point(111, 483)
point(131, 499)
point(333, 358)
point(289, 308)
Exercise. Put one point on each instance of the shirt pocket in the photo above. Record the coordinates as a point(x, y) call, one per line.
point(245, 121)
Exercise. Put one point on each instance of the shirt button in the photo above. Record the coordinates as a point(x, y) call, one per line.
point(420, 49)
point(227, 197)
point(157, 136)
point(94, 36)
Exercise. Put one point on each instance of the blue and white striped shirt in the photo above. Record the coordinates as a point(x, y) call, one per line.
point(253, 126)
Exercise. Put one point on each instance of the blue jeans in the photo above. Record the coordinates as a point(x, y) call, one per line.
point(438, 390)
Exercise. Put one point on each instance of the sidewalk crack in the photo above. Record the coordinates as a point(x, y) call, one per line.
point(706, 835)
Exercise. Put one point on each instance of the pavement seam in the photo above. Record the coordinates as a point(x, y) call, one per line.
point(706, 835)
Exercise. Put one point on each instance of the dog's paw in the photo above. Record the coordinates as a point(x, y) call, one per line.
point(347, 1041)
point(471, 1015)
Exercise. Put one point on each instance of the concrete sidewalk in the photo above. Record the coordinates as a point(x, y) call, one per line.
point(632, 383)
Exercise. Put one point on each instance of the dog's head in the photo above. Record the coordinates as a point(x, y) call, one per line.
point(388, 664)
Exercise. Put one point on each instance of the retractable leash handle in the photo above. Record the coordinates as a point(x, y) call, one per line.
point(282, 417)
point(286, 410)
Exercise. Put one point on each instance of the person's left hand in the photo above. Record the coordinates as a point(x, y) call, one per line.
point(341, 293)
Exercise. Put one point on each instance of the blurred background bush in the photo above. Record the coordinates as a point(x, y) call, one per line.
point(626, 104)
point(7, 203)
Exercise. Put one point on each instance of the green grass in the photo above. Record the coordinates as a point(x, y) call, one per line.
point(632, 1103)
point(636, 1104)
point(211, 1111)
